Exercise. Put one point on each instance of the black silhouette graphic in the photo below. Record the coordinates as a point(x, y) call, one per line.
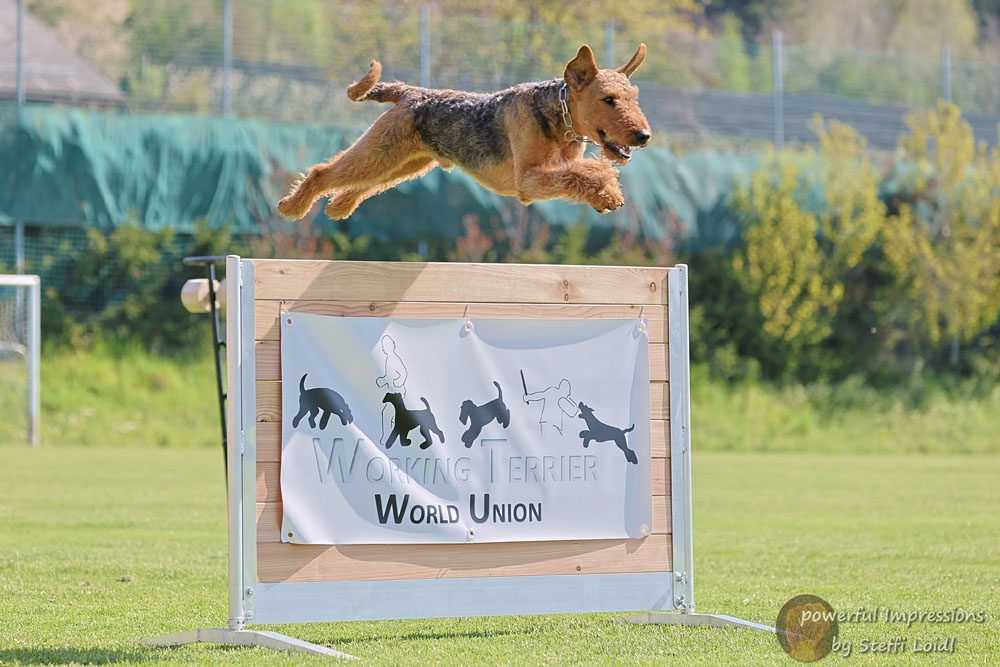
point(556, 403)
point(407, 420)
point(598, 431)
point(481, 415)
point(319, 399)
point(393, 380)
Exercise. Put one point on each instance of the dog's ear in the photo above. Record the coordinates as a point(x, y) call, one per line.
point(581, 70)
point(633, 64)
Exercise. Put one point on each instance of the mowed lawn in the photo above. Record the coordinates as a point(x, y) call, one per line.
point(101, 547)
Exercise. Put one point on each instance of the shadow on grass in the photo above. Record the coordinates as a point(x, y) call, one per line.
point(340, 642)
point(62, 656)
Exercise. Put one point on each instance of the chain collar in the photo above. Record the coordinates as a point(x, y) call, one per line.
point(571, 134)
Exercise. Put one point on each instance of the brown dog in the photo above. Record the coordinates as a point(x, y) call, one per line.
point(526, 141)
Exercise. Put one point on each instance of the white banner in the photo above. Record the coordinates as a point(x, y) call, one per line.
point(408, 431)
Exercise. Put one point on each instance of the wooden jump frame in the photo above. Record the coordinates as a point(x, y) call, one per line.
point(275, 582)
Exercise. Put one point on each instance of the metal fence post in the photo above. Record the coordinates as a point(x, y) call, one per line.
point(779, 89)
point(425, 46)
point(20, 53)
point(19, 312)
point(609, 44)
point(34, 331)
point(227, 56)
point(946, 74)
point(19, 246)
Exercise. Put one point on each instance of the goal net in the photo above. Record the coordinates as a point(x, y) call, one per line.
point(20, 344)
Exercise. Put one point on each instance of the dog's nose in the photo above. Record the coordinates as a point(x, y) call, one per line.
point(642, 137)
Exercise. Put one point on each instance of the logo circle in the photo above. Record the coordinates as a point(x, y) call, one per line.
point(806, 627)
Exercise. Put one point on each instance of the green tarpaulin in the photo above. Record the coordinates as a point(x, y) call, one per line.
point(71, 167)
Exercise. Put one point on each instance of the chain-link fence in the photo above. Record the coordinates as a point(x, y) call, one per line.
point(289, 60)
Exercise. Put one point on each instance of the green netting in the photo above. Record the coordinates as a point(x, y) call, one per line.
point(91, 169)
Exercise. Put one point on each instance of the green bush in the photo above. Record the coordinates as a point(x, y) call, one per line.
point(839, 283)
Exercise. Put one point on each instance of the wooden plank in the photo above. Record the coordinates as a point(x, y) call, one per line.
point(659, 437)
point(266, 312)
point(269, 440)
point(269, 360)
point(456, 282)
point(278, 562)
point(269, 520)
point(269, 480)
point(269, 401)
point(659, 400)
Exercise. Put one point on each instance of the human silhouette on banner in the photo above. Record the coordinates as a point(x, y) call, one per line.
point(393, 380)
point(557, 404)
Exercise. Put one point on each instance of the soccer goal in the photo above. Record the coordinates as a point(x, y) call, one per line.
point(20, 351)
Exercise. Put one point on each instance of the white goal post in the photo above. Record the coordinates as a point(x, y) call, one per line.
point(20, 345)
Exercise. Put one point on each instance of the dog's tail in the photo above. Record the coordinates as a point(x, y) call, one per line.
point(426, 404)
point(302, 383)
point(369, 87)
point(629, 428)
point(499, 391)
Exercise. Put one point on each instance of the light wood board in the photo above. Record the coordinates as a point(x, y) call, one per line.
point(412, 290)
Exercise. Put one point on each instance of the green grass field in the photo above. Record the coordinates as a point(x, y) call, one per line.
point(101, 547)
point(115, 529)
point(134, 399)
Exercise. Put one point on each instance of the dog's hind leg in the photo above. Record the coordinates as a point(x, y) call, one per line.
point(297, 418)
point(343, 203)
point(629, 454)
point(389, 143)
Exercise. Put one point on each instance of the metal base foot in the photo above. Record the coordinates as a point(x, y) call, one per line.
point(714, 620)
point(271, 640)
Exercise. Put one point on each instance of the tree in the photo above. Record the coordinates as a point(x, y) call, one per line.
point(943, 249)
point(811, 217)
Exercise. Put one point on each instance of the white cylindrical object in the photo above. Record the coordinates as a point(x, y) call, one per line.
point(195, 295)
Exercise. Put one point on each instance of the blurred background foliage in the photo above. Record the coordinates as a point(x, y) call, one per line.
point(831, 278)
point(847, 261)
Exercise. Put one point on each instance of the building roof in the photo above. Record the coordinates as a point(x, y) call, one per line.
point(52, 73)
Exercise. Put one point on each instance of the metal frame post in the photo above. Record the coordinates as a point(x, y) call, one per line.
point(240, 488)
point(678, 349)
point(234, 463)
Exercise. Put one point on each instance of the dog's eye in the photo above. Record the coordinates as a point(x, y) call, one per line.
point(610, 100)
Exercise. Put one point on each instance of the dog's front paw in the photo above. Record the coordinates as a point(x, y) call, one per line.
point(609, 198)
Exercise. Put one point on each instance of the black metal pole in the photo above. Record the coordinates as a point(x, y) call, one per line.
point(218, 345)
